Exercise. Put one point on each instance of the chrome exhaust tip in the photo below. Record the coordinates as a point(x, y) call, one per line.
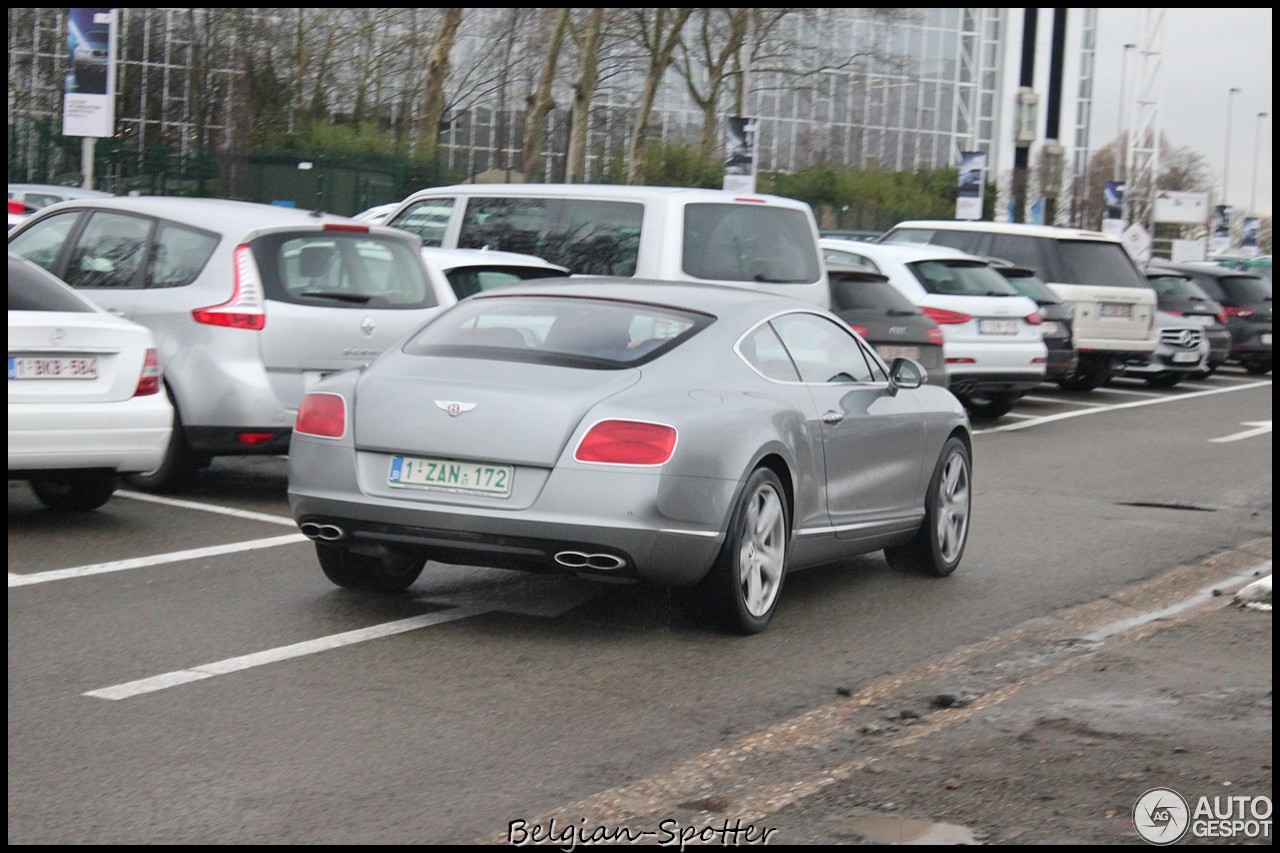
point(322, 532)
point(582, 560)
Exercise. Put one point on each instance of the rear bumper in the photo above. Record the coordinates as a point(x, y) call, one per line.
point(127, 437)
point(991, 383)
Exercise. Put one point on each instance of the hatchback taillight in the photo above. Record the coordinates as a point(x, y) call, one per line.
point(944, 317)
point(627, 443)
point(1034, 318)
point(245, 309)
point(322, 414)
point(861, 330)
point(149, 381)
point(934, 335)
point(1238, 311)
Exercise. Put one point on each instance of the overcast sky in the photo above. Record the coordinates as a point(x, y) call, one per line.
point(1204, 53)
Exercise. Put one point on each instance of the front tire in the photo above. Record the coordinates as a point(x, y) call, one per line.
point(366, 572)
point(74, 491)
point(744, 583)
point(939, 544)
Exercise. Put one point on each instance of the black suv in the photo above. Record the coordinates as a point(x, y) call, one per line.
point(1246, 299)
point(1177, 294)
point(1057, 315)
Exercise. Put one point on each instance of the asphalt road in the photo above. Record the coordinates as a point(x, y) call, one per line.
point(181, 672)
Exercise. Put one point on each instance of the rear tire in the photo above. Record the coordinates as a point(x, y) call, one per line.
point(1258, 366)
point(745, 582)
point(990, 405)
point(1164, 380)
point(74, 491)
point(178, 467)
point(349, 570)
point(1085, 376)
point(938, 545)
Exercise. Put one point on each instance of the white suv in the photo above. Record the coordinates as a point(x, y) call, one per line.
point(992, 341)
point(1114, 319)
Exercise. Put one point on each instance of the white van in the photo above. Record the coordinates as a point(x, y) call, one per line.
point(1115, 307)
point(669, 233)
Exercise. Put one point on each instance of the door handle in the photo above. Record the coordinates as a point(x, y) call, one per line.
point(832, 417)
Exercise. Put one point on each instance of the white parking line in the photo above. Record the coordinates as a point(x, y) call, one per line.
point(220, 510)
point(1090, 403)
point(1128, 392)
point(307, 647)
point(1060, 416)
point(153, 560)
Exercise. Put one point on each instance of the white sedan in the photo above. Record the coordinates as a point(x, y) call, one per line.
point(86, 396)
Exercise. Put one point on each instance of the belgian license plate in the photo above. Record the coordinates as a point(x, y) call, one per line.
point(1117, 309)
point(1266, 338)
point(889, 352)
point(1186, 357)
point(59, 367)
point(467, 477)
point(997, 327)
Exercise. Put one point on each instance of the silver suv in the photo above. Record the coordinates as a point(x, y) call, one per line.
point(250, 304)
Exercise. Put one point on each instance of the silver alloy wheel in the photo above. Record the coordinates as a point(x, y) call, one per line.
point(952, 518)
point(762, 554)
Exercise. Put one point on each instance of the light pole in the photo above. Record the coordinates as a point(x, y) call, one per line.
point(1118, 171)
point(1226, 161)
point(1253, 193)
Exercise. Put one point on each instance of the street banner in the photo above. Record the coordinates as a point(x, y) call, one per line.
point(1249, 235)
point(1220, 233)
point(740, 154)
point(88, 102)
point(1113, 208)
point(973, 170)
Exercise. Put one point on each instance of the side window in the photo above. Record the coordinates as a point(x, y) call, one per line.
point(178, 256)
point(43, 241)
point(109, 251)
point(428, 219)
point(1021, 251)
point(965, 241)
point(822, 350)
point(589, 237)
point(763, 350)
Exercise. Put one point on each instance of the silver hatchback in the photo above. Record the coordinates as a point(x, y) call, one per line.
point(250, 305)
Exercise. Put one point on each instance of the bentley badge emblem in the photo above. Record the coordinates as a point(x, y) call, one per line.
point(454, 408)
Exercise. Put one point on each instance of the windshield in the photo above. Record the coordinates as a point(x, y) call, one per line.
point(1177, 287)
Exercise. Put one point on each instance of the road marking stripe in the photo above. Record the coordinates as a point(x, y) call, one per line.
point(307, 647)
point(1059, 401)
point(220, 510)
point(153, 560)
point(1129, 392)
point(1130, 405)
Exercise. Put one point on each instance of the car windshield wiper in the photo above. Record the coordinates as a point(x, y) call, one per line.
point(358, 298)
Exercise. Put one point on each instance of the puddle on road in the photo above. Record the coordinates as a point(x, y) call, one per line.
point(901, 830)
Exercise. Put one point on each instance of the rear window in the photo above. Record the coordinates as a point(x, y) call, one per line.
point(961, 278)
point(337, 269)
point(570, 332)
point(748, 242)
point(33, 289)
point(965, 241)
point(466, 281)
point(1245, 289)
point(1030, 285)
point(588, 236)
point(1176, 287)
point(849, 293)
point(1096, 262)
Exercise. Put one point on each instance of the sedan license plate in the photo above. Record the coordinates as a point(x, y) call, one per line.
point(467, 477)
point(1266, 338)
point(997, 327)
point(1117, 309)
point(63, 367)
point(889, 353)
point(1186, 357)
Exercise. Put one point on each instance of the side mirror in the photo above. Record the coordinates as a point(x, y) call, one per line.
point(906, 373)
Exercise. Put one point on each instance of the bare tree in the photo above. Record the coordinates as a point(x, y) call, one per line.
point(541, 101)
point(708, 58)
point(658, 33)
point(433, 82)
point(587, 39)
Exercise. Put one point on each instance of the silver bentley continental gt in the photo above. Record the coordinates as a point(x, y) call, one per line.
point(675, 434)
